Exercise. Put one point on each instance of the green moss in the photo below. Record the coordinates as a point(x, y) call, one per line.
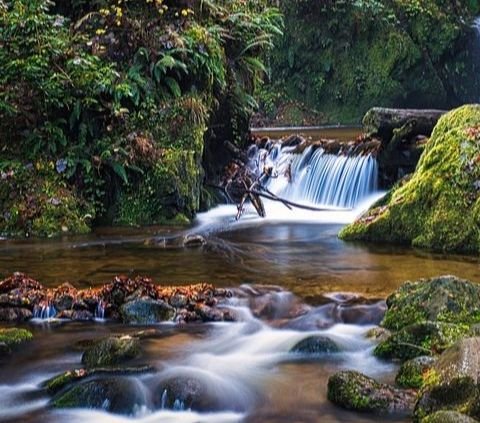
point(14, 336)
point(37, 201)
point(57, 383)
point(438, 208)
point(420, 339)
point(413, 373)
point(352, 390)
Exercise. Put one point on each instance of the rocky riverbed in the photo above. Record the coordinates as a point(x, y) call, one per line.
point(425, 333)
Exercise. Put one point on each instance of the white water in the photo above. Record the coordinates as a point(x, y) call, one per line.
point(44, 312)
point(344, 186)
point(315, 177)
point(235, 364)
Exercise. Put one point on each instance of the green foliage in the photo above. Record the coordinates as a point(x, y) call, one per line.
point(352, 55)
point(113, 90)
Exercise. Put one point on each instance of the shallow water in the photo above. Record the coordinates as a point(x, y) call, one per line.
point(299, 251)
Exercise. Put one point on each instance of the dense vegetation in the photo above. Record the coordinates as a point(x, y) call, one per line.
point(349, 56)
point(104, 105)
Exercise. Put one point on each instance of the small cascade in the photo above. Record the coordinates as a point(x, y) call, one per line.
point(100, 311)
point(44, 311)
point(317, 177)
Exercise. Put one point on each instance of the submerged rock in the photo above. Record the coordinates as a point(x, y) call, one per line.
point(111, 351)
point(184, 393)
point(425, 338)
point(316, 345)
point(354, 391)
point(444, 298)
point(413, 372)
point(12, 338)
point(448, 417)
point(115, 395)
point(439, 206)
point(146, 311)
point(453, 382)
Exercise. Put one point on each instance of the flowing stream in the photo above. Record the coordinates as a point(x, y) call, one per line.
point(244, 371)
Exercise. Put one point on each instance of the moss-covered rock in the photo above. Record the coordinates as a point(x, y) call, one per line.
point(425, 338)
point(412, 373)
point(354, 391)
point(453, 383)
point(115, 395)
point(61, 381)
point(12, 338)
point(444, 298)
point(314, 345)
point(146, 311)
point(36, 200)
point(111, 351)
point(439, 207)
point(448, 417)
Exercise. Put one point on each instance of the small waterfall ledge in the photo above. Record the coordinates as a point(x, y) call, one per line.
point(315, 176)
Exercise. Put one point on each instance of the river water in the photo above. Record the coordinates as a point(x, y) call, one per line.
point(246, 368)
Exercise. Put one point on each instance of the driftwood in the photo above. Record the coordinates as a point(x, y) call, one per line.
point(241, 185)
point(383, 122)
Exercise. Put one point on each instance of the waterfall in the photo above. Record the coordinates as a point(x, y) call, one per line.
point(316, 177)
point(44, 311)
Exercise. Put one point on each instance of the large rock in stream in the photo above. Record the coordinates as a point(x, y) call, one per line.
point(111, 351)
point(316, 345)
point(443, 298)
point(453, 382)
point(356, 392)
point(439, 206)
point(146, 311)
point(425, 338)
point(428, 316)
point(115, 395)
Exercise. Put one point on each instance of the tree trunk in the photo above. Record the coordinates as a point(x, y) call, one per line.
point(382, 122)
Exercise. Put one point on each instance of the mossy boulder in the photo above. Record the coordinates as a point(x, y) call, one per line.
point(412, 373)
point(448, 417)
point(425, 338)
point(453, 383)
point(354, 391)
point(315, 345)
point(115, 395)
point(61, 381)
point(111, 351)
point(439, 206)
point(12, 338)
point(444, 298)
point(36, 200)
point(146, 311)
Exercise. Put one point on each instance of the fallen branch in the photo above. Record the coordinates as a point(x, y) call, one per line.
point(292, 204)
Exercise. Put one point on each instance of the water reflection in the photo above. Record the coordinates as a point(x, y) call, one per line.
point(304, 257)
